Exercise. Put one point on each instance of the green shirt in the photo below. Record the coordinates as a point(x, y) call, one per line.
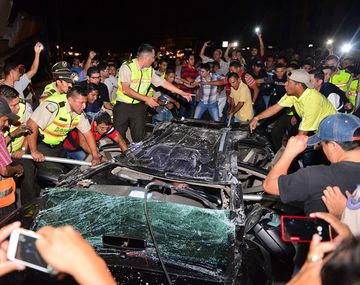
point(311, 106)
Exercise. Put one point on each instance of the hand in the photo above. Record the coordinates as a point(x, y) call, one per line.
point(92, 54)
point(22, 130)
point(335, 200)
point(295, 145)
point(187, 96)
point(7, 266)
point(37, 156)
point(342, 230)
point(348, 106)
point(169, 106)
point(67, 251)
point(96, 159)
point(18, 154)
point(253, 124)
point(177, 104)
point(207, 44)
point(151, 102)
point(19, 170)
point(230, 114)
point(293, 120)
point(38, 47)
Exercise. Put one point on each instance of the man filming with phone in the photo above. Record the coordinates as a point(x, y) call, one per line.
point(339, 137)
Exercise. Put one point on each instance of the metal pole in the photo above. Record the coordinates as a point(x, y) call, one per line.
point(60, 160)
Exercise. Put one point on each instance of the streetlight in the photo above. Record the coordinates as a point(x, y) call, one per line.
point(346, 48)
point(329, 42)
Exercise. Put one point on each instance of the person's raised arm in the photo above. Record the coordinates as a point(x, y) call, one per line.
point(226, 54)
point(294, 146)
point(202, 52)
point(87, 65)
point(35, 65)
point(262, 46)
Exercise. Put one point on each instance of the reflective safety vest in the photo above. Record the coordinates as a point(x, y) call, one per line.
point(51, 90)
point(56, 132)
point(353, 91)
point(140, 82)
point(341, 80)
point(7, 192)
point(18, 142)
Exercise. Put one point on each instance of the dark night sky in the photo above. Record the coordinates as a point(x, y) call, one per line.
point(122, 25)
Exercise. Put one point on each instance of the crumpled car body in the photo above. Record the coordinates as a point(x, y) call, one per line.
point(195, 204)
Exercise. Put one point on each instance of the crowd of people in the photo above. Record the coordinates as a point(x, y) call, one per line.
point(311, 105)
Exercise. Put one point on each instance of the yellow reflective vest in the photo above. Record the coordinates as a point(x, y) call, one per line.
point(341, 80)
point(56, 132)
point(51, 90)
point(18, 142)
point(140, 82)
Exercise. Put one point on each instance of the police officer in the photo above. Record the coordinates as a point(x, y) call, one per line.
point(135, 78)
point(64, 79)
point(54, 119)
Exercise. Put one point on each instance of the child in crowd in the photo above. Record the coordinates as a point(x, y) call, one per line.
point(76, 146)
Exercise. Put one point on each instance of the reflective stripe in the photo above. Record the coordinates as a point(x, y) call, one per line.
point(7, 192)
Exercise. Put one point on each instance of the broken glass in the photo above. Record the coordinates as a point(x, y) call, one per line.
point(187, 236)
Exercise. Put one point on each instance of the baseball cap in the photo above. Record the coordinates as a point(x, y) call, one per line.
point(67, 76)
point(60, 67)
point(259, 63)
point(5, 110)
point(300, 75)
point(338, 128)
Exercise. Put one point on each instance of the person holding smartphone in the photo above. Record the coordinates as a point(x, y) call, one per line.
point(65, 250)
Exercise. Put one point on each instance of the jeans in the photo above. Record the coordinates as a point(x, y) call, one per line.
point(78, 154)
point(212, 108)
point(163, 115)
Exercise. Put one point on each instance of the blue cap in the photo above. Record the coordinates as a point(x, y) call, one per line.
point(338, 128)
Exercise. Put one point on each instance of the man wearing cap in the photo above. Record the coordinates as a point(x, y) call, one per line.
point(339, 137)
point(54, 119)
point(7, 183)
point(309, 104)
point(64, 79)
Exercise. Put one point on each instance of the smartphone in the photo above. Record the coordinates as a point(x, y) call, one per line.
point(22, 249)
point(302, 228)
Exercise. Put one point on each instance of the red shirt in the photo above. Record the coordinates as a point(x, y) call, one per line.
point(72, 141)
point(187, 71)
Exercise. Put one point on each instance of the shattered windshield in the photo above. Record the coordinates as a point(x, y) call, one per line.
point(190, 237)
point(185, 152)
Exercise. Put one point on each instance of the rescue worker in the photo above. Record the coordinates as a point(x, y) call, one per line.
point(64, 79)
point(7, 171)
point(135, 78)
point(54, 119)
point(342, 78)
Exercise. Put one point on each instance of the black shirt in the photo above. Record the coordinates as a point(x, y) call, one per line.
point(103, 92)
point(307, 184)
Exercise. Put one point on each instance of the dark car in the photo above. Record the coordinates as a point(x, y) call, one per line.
point(175, 197)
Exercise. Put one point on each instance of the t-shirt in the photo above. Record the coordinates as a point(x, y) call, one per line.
point(21, 85)
point(103, 92)
point(311, 106)
point(72, 141)
point(307, 184)
point(243, 94)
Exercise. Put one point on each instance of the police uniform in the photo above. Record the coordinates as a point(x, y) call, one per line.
point(129, 112)
point(55, 120)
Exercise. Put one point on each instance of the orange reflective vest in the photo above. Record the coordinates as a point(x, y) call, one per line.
point(7, 192)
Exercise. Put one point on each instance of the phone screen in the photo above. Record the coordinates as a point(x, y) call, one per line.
point(27, 251)
point(301, 229)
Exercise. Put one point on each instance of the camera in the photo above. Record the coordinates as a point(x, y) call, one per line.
point(22, 249)
point(302, 228)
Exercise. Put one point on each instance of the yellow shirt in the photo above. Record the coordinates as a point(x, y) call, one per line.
point(311, 106)
point(242, 94)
